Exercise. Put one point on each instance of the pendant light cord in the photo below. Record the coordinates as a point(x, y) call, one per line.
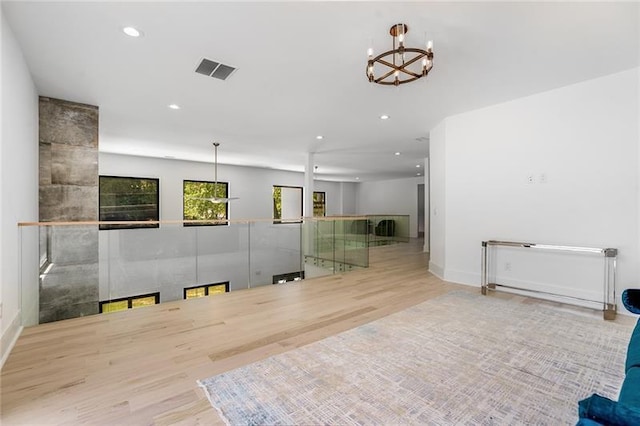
point(215, 145)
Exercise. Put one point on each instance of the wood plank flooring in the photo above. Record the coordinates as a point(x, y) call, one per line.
point(141, 366)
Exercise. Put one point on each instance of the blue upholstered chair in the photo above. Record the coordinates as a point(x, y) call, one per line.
point(598, 410)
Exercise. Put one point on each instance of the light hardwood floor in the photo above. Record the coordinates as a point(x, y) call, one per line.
point(141, 366)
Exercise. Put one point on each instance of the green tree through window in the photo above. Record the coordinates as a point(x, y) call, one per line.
point(277, 202)
point(319, 204)
point(196, 205)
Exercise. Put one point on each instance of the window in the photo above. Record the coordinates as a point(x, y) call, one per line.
point(287, 204)
point(319, 205)
point(196, 207)
point(132, 302)
point(128, 199)
point(206, 290)
point(291, 276)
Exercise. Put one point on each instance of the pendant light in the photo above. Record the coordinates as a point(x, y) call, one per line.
point(217, 200)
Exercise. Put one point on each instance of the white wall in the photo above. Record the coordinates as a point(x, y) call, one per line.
point(252, 185)
point(388, 197)
point(333, 200)
point(427, 206)
point(438, 207)
point(579, 147)
point(18, 188)
point(348, 198)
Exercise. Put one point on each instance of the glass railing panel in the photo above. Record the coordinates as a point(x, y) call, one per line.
point(69, 272)
point(139, 263)
point(354, 236)
point(339, 245)
point(317, 248)
point(84, 270)
point(388, 229)
point(222, 256)
point(403, 230)
point(29, 257)
point(319, 243)
point(275, 253)
point(325, 240)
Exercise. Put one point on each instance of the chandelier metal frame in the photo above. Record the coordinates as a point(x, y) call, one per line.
point(399, 61)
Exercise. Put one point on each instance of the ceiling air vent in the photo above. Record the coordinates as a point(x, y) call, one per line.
point(214, 69)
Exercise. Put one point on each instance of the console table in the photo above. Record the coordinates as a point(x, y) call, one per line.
point(609, 286)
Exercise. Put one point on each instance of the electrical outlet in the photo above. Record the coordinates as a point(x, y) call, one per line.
point(507, 266)
point(543, 178)
point(530, 179)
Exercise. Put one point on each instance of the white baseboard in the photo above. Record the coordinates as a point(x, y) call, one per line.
point(10, 337)
point(462, 277)
point(436, 270)
point(473, 279)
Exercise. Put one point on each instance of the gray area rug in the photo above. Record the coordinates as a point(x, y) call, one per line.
point(460, 359)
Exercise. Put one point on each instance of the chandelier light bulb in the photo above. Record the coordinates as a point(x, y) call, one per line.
point(430, 45)
point(370, 52)
point(396, 73)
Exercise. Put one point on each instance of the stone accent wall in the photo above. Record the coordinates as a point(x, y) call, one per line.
point(68, 192)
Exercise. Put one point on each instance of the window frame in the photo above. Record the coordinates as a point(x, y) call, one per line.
point(226, 208)
point(324, 203)
point(278, 277)
point(129, 300)
point(285, 221)
point(206, 289)
point(106, 227)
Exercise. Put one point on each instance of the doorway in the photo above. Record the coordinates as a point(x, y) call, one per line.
point(421, 210)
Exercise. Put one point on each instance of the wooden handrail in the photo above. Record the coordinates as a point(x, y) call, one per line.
point(179, 222)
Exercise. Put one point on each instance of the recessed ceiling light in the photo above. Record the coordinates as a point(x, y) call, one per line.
point(397, 153)
point(417, 174)
point(418, 165)
point(384, 117)
point(131, 32)
point(357, 178)
point(319, 137)
point(174, 106)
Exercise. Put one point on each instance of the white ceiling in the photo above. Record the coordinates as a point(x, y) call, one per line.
point(301, 72)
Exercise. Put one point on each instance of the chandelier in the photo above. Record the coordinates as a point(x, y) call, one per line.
point(402, 64)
